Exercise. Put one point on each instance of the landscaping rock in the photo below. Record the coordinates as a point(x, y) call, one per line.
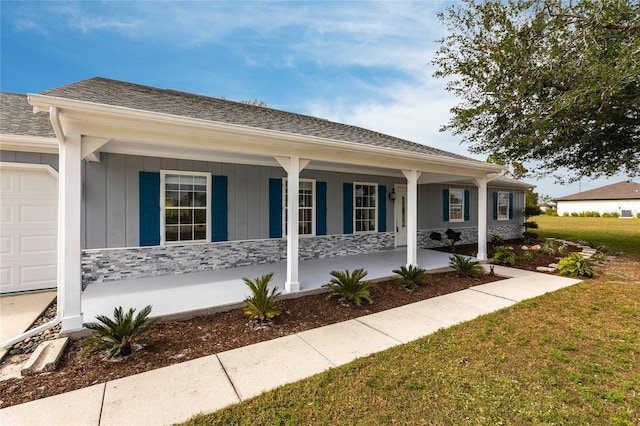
point(546, 269)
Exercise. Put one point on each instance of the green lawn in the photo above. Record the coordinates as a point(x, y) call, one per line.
point(617, 234)
point(569, 357)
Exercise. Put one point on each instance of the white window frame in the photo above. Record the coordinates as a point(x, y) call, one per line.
point(313, 207)
point(356, 208)
point(461, 204)
point(163, 188)
point(498, 205)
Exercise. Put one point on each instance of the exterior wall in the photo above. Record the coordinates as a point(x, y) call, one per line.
point(600, 206)
point(104, 265)
point(469, 235)
point(430, 206)
point(29, 157)
point(111, 197)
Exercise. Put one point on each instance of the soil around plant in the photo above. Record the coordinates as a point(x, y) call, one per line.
point(179, 341)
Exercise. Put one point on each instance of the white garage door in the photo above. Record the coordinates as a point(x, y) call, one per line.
point(28, 227)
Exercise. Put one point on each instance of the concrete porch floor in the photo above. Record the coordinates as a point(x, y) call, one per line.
point(185, 295)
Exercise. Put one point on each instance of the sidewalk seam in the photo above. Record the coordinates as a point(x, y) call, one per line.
point(233, 386)
point(379, 331)
point(104, 394)
point(314, 348)
point(494, 295)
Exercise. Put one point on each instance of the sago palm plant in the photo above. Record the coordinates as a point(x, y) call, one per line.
point(465, 266)
point(350, 286)
point(117, 335)
point(261, 304)
point(410, 277)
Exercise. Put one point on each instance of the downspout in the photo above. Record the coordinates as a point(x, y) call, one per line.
point(54, 117)
point(32, 332)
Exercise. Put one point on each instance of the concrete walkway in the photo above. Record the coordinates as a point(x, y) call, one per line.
point(19, 311)
point(175, 393)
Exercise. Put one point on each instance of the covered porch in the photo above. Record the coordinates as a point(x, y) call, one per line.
point(185, 295)
point(101, 124)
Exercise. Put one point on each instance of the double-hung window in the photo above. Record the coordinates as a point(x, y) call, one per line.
point(503, 206)
point(456, 205)
point(185, 201)
point(365, 196)
point(306, 206)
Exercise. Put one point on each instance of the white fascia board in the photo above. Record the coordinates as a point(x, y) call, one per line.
point(28, 144)
point(247, 133)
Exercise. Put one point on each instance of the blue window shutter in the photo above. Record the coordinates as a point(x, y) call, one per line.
point(275, 208)
point(445, 205)
point(321, 208)
point(382, 208)
point(347, 207)
point(219, 208)
point(466, 204)
point(510, 205)
point(495, 206)
point(149, 197)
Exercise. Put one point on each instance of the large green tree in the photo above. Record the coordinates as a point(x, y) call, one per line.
point(551, 81)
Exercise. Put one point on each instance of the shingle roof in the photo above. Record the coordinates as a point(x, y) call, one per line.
point(118, 93)
point(17, 117)
point(618, 191)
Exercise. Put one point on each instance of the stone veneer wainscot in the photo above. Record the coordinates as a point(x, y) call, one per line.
point(104, 265)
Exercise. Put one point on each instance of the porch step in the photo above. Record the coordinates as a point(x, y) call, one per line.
point(46, 357)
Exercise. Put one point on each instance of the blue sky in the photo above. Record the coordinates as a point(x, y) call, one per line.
point(360, 63)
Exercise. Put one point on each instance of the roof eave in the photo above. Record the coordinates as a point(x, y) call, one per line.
point(44, 103)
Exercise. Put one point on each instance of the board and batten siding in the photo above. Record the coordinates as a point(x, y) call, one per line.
point(111, 192)
point(29, 158)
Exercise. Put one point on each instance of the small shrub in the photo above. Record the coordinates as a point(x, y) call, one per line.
point(504, 256)
point(496, 240)
point(615, 214)
point(637, 215)
point(118, 334)
point(565, 214)
point(575, 214)
point(261, 303)
point(531, 225)
point(465, 266)
point(549, 248)
point(562, 248)
point(453, 237)
point(435, 236)
point(575, 265)
point(527, 255)
point(350, 286)
point(411, 277)
point(529, 235)
point(532, 211)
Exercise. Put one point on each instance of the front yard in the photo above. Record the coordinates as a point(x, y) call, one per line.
point(568, 357)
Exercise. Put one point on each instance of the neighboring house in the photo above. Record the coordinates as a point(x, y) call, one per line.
point(547, 206)
point(158, 182)
point(622, 198)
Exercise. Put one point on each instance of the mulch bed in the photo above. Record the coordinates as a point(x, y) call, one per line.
point(178, 341)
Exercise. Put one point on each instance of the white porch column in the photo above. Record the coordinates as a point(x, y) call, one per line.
point(293, 166)
point(482, 218)
point(412, 216)
point(69, 227)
